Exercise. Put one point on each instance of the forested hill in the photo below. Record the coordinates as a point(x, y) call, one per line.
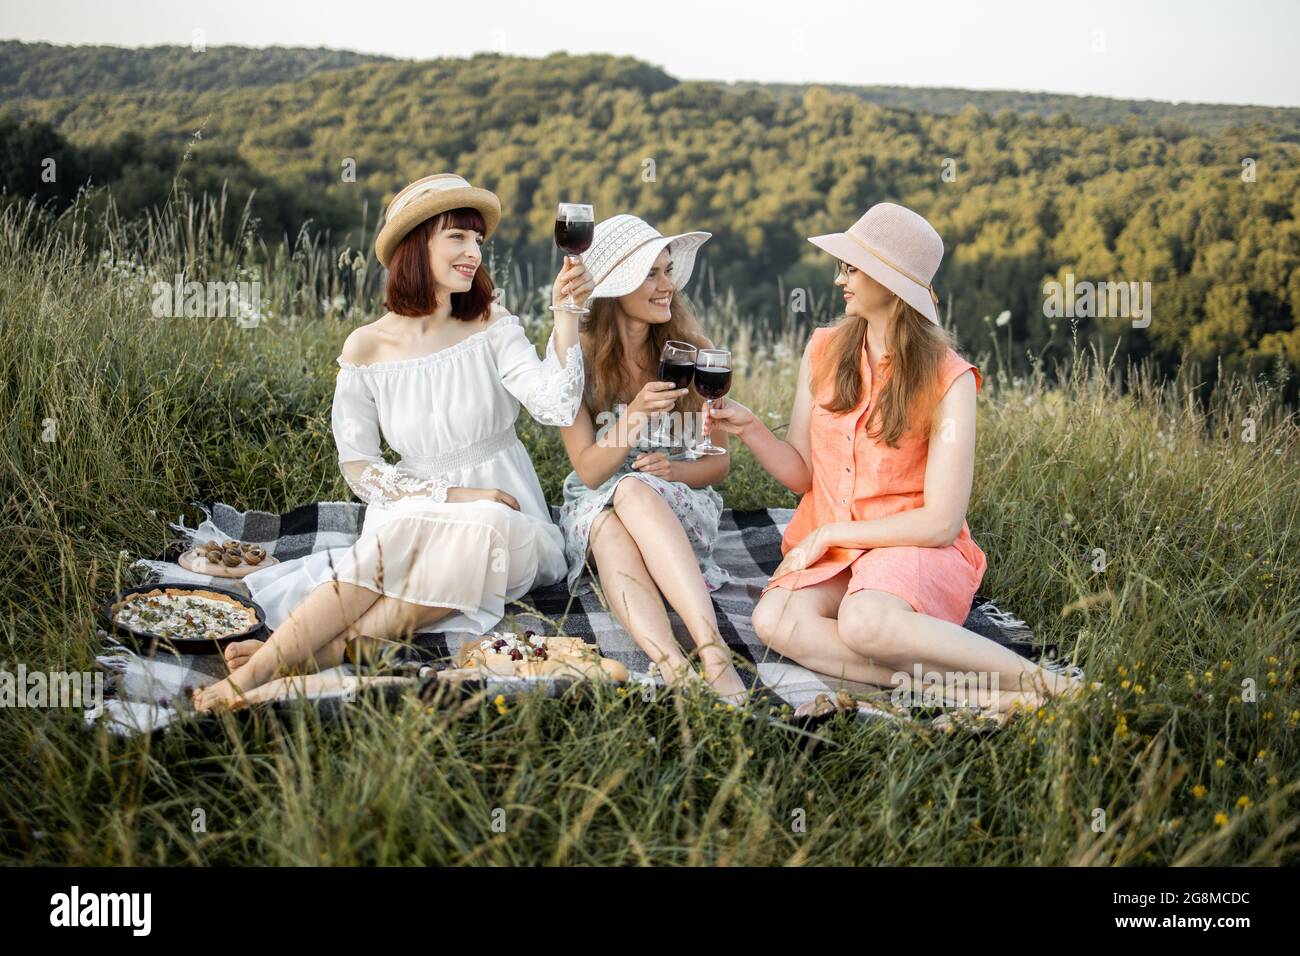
point(1212, 221)
point(1283, 122)
point(43, 70)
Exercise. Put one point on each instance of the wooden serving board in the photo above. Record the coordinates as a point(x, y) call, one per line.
point(193, 561)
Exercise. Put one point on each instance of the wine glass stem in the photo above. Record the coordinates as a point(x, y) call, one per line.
point(708, 423)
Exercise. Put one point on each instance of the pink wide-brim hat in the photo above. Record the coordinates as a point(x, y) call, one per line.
point(895, 246)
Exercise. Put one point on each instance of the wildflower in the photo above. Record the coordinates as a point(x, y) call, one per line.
point(1219, 763)
point(500, 703)
point(1124, 684)
point(1225, 665)
point(1094, 760)
point(1199, 791)
point(1244, 802)
point(1221, 819)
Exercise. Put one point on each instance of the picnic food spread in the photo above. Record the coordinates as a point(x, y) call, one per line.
point(180, 614)
point(231, 553)
point(227, 558)
point(505, 654)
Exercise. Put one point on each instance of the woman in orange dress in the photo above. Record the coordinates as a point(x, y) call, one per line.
point(879, 566)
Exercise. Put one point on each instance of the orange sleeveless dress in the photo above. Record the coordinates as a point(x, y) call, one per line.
point(856, 478)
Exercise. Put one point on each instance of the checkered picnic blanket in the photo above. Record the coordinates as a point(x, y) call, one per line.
point(749, 546)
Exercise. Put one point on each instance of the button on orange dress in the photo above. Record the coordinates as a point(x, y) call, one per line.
point(856, 478)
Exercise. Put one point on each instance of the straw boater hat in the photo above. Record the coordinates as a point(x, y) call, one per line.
point(427, 197)
point(623, 248)
point(897, 248)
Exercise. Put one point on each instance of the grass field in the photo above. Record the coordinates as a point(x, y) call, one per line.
point(1183, 750)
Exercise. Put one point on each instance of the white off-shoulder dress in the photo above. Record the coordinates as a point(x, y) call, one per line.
point(450, 415)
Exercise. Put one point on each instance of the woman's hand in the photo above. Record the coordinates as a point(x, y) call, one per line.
point(460, 495)
point(805, 554)
point(656, 463)
point(653, 398)
point(574, 278)
point(732, 417)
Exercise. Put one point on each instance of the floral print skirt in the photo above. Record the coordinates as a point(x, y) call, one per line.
point(698, 509)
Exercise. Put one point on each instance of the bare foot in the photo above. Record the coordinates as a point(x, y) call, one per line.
point(824, 704)
point(728, 685)
point(219, 696)
point(237, 653)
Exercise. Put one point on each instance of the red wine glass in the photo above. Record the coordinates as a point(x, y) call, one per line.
point(712, 380)
point(575, 225)
point(676, 365)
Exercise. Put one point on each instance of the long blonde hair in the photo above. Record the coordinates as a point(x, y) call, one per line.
point(916, 348)
point(608, 381)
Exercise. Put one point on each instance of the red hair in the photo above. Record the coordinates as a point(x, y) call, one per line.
point(410, 289)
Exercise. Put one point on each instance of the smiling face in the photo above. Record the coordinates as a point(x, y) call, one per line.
point(455, 254)
point(649, 302)
point(863, 295)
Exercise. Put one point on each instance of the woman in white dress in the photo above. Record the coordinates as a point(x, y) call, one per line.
point(459, 526)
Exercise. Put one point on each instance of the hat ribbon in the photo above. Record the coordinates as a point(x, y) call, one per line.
point(895, 266)
point(438, 185)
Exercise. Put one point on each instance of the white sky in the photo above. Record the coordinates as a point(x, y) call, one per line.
point(1230, 51)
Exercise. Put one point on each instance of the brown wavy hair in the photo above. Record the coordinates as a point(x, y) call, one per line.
point(602, 350)
point(916, 348)
point(410, 288)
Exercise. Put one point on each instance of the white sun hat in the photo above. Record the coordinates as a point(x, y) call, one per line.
point(895, 246)
point(623, 248)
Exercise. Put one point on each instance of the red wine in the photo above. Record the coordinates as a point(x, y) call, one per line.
point(712, 381)
point(574, 237)
point(679, 373)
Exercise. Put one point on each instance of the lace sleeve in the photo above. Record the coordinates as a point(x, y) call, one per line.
point(550, 391)
point(382, 483)
point(355, 423)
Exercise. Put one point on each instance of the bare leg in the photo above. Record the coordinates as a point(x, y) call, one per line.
point(323, 622)
point(671, 561)
point(802, 626)
point(388, 621)
point(884, 629)
point(633, 597)
point(374, 620)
